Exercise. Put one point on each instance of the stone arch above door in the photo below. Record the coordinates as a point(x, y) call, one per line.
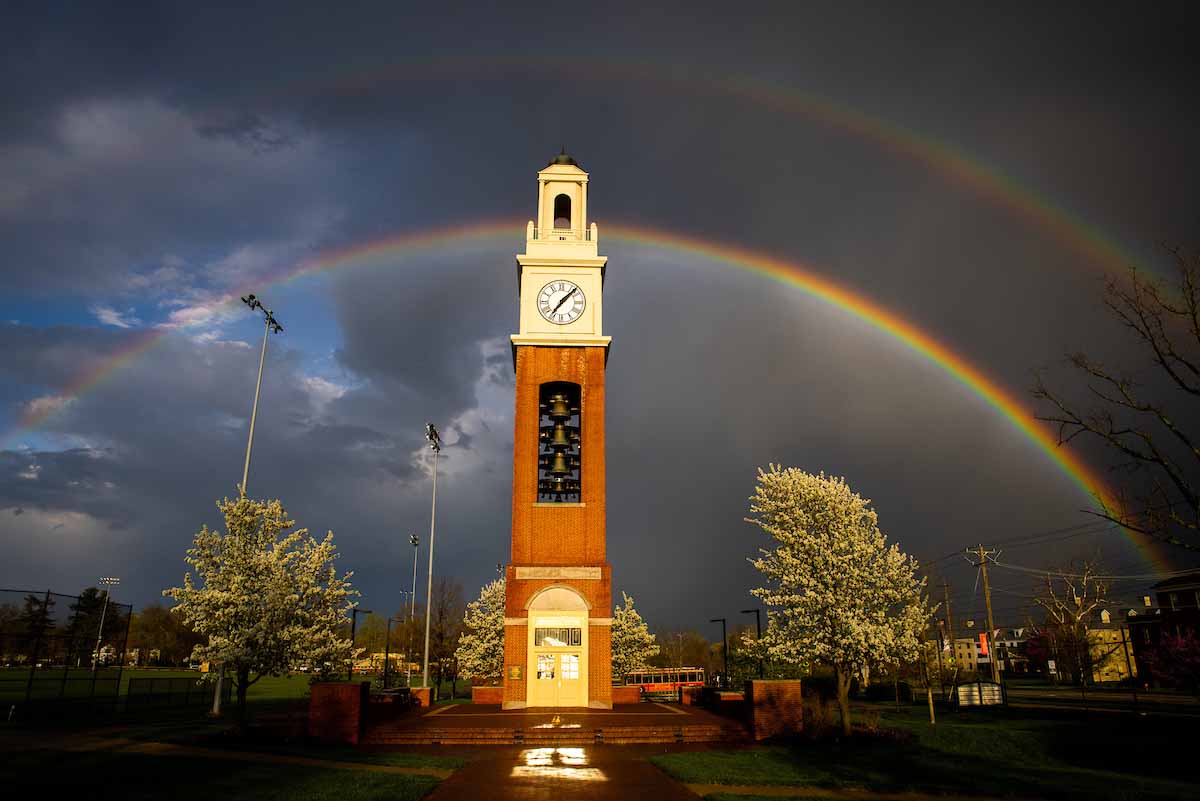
point(558, 598)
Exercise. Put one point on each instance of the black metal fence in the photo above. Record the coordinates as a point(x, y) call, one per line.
point(157, 693)
point(61, 651)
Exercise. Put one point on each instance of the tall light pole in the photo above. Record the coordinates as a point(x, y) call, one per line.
point(106, 582)
point(724, 648)
point(758, 636)
point(269, 324)
point(435, 444)
point(415, 541)
point(354, 613)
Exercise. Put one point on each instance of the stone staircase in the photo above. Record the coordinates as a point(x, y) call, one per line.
point(536, 737)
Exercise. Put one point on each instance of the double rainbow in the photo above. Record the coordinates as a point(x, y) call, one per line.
point(386, 251)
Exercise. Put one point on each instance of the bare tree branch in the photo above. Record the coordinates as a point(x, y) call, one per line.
point(1150, 437)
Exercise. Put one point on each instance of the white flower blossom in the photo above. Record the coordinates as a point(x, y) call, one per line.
point(837, 594)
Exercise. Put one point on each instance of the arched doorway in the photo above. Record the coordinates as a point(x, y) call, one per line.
point(557, 648)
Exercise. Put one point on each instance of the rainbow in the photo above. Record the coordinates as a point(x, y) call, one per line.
point(384, 252)
point(938, 155)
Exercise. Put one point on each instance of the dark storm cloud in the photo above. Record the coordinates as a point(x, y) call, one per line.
point(159, 153)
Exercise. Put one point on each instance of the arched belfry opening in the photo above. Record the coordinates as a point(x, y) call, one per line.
point(559, 443)
point(562, 211)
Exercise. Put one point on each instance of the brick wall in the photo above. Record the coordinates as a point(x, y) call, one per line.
point(335, 711)
point(773, 707)
point(627, 695)
point(600, 665)
point(559, 535)
point(598, 593)
point(487, 695)
point(515, 653)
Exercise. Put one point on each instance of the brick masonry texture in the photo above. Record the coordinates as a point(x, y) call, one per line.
point(600, 664)
point(626, 695)
point(487, 695)
point(597, 593)
point(773, 707)
point(515, 654)
point(335, 711)
point(559, 534)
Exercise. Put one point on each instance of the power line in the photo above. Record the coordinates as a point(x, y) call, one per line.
point(1107, 577)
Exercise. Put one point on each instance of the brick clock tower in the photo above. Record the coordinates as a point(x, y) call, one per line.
point(558, 611)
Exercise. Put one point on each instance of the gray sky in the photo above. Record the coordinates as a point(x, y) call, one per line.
point(156, 158)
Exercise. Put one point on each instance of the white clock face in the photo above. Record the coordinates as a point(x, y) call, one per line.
point(561, 302)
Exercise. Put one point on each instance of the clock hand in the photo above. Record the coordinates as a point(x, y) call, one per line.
point(564, 300)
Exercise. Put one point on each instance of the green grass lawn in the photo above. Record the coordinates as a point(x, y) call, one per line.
point(49, 684)
point(137, 777)
point(998, 752)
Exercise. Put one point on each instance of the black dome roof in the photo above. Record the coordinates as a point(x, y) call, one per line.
point(563, 158)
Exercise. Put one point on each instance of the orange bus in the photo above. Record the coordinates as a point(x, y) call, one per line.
point(665, 681)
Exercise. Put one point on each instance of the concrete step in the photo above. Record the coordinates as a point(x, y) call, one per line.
point(615, 735)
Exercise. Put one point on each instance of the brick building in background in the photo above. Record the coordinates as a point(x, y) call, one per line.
point(557, 644)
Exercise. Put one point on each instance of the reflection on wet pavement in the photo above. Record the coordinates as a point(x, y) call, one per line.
point(557, 763)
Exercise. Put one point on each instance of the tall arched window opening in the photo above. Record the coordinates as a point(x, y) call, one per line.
point(559, 443)
point(562, 211)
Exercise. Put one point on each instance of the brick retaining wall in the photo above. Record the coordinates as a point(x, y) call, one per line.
point(773, 707)
point(335, 711)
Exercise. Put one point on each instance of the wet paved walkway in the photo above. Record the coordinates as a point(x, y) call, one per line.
point(593, 773)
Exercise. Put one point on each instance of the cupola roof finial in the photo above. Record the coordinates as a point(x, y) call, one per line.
point(563, 158)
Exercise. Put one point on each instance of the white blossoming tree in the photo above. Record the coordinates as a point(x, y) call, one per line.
point(632, 642)
point(480, 651)
point(837, 593)
point(267, 597)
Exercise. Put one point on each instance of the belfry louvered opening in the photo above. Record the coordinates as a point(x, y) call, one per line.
point(559, 443)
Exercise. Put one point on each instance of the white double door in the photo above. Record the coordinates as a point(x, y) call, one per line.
point(557, 679)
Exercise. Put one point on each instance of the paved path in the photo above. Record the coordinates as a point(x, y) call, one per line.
point(620, 773)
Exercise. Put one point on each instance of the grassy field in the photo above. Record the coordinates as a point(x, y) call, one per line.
point(138, 777)
point(49, 684)
point(998, 752)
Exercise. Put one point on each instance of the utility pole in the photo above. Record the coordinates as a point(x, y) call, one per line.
point(987, 600)
point(950, 632)
point(435, 444)
point(1129, 665)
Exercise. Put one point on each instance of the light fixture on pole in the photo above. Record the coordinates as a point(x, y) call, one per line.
point(724, 648)
point(435, 444)
point(271, 324)
point(354, 613)
point(106, 582)
point(758, 637)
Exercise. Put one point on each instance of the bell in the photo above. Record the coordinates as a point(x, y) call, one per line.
point(559, 408)
point(559, 465)
point(560, 437)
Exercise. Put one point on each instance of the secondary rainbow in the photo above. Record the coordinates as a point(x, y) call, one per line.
point(942, 157)
point(384, 252)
